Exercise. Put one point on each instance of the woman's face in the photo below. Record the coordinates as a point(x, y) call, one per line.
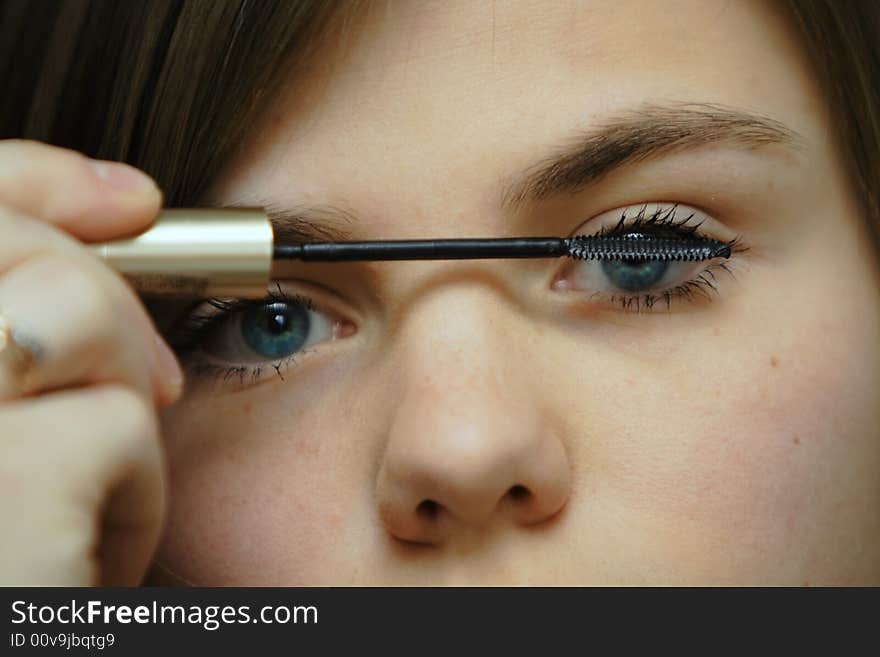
point(533, 421)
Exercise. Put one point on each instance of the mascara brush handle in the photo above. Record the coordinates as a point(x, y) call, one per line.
point(444, 249)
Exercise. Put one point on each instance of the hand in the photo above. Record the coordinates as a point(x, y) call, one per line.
point(82, 474)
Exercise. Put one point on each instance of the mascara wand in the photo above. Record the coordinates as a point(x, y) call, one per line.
point(632, 246)
point(214, 252)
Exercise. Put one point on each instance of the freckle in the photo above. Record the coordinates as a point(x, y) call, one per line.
point(774, 361)
point(796, 440)
point(307, 448)
point(248, 408)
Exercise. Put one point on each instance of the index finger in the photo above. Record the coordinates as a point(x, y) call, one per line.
point(94, 200)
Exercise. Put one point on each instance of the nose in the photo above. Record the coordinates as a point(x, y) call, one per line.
point(469, 446)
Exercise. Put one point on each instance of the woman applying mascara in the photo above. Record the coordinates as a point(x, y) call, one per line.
point(546, 421)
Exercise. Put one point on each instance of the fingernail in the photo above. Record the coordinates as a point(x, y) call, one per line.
point(122, 177)
point(170, 367)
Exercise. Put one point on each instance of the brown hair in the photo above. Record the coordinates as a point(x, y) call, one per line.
point(842, 39)
point(165, 85)
point(169, 85)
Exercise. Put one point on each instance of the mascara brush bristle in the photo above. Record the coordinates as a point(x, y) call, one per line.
point(646, 247)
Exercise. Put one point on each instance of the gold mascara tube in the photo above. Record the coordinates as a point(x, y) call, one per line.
point(200, 252)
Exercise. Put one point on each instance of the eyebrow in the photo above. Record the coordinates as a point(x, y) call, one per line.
point(649, 131)
point(308, 224)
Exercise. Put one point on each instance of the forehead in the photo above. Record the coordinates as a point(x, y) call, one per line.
point(466, 91)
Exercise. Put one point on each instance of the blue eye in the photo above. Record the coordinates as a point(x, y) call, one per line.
point(276, 329)
point(641, 282)
point(635, 275)
point(245, 334)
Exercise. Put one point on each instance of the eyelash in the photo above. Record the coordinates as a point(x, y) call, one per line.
point(187, 335)
point(700, 286)
point(662, 223)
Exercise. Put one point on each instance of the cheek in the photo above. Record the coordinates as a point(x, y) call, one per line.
point(762, 452)
point(257, 498)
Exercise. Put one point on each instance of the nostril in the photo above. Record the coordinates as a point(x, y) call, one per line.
point(519, 493)
point(428, 509)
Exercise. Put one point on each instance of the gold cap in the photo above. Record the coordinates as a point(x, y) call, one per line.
point(204, 252)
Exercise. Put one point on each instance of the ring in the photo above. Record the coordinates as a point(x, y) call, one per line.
point(18, 353)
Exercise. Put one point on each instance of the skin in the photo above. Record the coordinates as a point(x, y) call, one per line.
point(726, 442)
